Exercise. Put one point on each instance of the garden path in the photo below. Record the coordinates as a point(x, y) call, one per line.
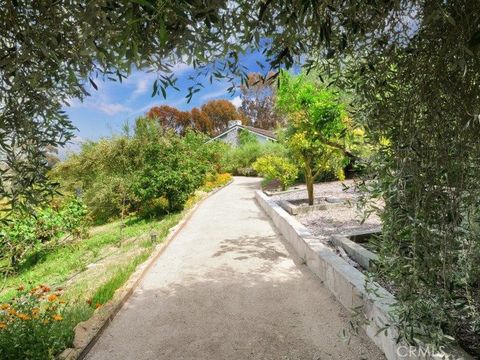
point(230, 287)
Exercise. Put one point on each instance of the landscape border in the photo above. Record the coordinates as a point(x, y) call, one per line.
point(348, 285)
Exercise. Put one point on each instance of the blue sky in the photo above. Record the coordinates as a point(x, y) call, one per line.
point(114, 103)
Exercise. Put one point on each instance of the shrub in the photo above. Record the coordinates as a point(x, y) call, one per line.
point(216, 180)
point(275, 167)
point(173, 168)
point(36, 325)
point(103, 172)
point(239, 160)
point(127, 174)
point(27, 232)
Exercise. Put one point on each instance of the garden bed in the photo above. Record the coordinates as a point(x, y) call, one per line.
point(355, 246)
point(335, 212)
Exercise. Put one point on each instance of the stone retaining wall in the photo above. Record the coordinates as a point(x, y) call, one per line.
point(346, 283)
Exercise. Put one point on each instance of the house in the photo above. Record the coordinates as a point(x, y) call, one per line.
point(235, 127)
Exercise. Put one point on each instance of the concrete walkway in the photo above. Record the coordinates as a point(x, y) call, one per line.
point(229, 287)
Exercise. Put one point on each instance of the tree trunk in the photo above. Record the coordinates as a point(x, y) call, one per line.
point(309, 181)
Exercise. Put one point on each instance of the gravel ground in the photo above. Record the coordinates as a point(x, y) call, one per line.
point(339, 189)
point(338, 218)
point(230, 287)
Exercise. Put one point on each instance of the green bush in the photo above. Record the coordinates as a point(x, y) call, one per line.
point(128, 174)
point(172, 170)
point(27, 233)
point(239, 160)
point(275, 167)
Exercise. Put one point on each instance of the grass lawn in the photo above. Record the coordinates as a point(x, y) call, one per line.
point(74, 265)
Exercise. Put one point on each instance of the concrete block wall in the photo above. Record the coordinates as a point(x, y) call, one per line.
point(346, 283)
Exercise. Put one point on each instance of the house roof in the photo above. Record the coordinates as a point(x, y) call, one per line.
point(262, 132)
point(267, 133)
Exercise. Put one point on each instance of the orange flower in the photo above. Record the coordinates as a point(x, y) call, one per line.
point(45, 288)
point(61, 301)
point(57, 317)
point(23, 316)
point(5, 306)
point(21, 288)
point(97, 305)
point(2, 325)
point(52, 297)
point(12, 311)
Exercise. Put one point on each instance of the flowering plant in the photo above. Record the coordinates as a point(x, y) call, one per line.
point(31, 325)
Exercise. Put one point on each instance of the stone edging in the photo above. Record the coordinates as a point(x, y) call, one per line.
point(361, 255)
point(346, 283)
point(88, 332)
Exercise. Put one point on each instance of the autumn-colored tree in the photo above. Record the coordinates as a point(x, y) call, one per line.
point(201, 121)
point(220, 112)
point(171, 118)
point(211, 119)
point(258, 102)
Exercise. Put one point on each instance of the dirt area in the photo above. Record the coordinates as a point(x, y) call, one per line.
point(340, 218)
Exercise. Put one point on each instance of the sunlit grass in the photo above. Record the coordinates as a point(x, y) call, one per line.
point(118, 278)
point(57, 266)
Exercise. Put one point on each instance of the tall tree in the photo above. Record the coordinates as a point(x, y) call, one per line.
point(258, 101)
point(201, 121)
point(171, 118)
point(220, 113)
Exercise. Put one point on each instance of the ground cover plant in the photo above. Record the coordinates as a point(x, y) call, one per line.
point(36, 324)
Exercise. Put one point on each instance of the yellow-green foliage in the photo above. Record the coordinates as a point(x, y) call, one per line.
point(318, 128)
point(216, 180)
point(275, 167)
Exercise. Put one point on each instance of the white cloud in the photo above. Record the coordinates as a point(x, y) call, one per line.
point(215, 94)
point(180, 68)
point(236, 101)
point(112, 108)
point(141, 87)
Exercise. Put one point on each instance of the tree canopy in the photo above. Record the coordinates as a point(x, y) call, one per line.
point(317, 128)
point(212, 118)
point(258, 96)
point(53, 52)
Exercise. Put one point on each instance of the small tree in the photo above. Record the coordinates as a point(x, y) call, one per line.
point(275, 167)
point(317, 128)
